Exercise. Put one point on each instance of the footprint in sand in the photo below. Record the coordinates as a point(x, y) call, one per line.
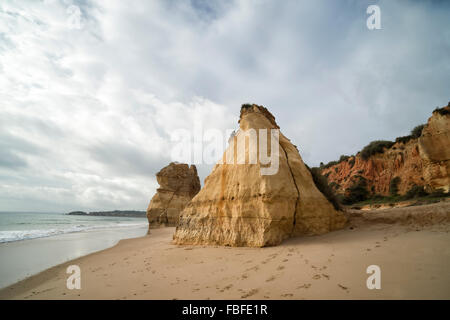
point(285, 260)
point(271, 279)
point(304, 286)
point(343, 287)
point(316, 277)
point(280, 268)
point(254, 268)
point(244, 276)
point(326, 276)
point(287, 295)
point(250, 293)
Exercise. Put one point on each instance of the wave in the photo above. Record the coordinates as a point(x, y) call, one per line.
point(17, 235)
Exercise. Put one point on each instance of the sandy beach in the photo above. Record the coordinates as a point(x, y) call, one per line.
point(414, 264)
point(20, 259)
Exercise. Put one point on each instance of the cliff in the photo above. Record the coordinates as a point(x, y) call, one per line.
point(240, 206)
point(422, 161)
point(179, 183)
point(434, 146)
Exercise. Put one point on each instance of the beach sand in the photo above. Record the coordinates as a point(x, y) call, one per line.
point(20, 259)
point(414, 264)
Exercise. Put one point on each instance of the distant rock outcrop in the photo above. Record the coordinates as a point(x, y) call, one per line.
point(421, 161)
point(238, 206)
point(179, 183)
point(115, 213)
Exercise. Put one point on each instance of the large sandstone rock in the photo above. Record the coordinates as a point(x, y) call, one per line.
point(238, 206)
point(179, 183)
point(434, 146)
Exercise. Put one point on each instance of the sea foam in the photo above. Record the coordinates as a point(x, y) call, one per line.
point(17, 235)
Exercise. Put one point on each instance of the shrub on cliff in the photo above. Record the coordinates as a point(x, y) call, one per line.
point(375, 147)
point(329, 164)
point(357, 192)
point(322, 184)
point(415, 192)
point(417, 131)
point(442, 111)
point(439, 193)
point(332, 163)
point(393, 186)
point(404, 139)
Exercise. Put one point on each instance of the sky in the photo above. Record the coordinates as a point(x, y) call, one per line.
point(92, 91)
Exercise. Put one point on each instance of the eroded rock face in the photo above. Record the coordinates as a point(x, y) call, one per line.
point(401, 160)
point(238, 206)
point(434, 144)
point(179, 183)
point(424, 162)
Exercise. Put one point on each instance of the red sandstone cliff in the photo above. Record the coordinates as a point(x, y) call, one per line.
point(424, 161)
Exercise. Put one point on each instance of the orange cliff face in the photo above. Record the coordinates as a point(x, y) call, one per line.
point(424, 162)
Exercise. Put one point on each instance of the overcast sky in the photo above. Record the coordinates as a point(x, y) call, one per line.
point(87, 105)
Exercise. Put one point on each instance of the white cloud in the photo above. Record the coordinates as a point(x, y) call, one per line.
point(86, 114)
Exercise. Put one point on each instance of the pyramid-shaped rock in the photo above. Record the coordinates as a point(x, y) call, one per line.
point(179, 183)
point(240, 206)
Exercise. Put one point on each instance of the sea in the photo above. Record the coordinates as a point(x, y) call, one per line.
point(16, 226)
point(31, 242)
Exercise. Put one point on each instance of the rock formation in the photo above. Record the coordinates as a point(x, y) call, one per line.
point(434, 146)
point(179, 183)
point(239, 206)
point(423, 161)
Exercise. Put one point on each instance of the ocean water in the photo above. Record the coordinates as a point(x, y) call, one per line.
point(31, 242)
point(15, 226)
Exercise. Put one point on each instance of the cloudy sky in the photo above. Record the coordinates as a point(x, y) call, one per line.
point(90, 91)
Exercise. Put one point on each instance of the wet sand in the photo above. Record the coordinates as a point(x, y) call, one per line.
point(20, 259)
point(414, 264)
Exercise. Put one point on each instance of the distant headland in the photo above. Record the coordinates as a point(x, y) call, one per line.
point(115, 213)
